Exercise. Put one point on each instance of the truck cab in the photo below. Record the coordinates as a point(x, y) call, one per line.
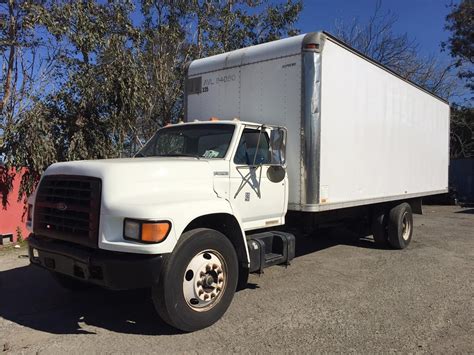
point(239, 155)
point(121, 223)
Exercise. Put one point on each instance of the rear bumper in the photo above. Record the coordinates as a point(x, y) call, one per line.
point(118, 271)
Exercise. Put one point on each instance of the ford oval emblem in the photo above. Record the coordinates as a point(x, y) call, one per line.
point(61, 206)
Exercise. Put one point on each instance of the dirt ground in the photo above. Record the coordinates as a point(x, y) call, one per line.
point(339, 295)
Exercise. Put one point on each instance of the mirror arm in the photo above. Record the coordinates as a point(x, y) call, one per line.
point(258, 145)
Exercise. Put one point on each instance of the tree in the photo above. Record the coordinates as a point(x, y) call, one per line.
point(115, 81)
point(175, 32)
point(460, 22)
point(25, 57)
point(26, 70)
point(462, 132)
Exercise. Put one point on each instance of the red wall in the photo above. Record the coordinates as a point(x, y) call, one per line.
point(11, 216)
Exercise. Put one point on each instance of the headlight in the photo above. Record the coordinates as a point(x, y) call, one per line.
point(146, 231)
point(131, 229)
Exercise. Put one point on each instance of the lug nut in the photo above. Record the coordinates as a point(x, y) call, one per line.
point(200, 292)
point(206, 296)
point(215, 266)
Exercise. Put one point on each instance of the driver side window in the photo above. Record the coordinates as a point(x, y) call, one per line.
point(247, 150)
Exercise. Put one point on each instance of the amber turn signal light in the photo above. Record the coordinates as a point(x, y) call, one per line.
point(155, 232)
point(146, 231)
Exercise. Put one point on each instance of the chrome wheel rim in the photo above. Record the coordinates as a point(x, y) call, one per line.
point(204, 280)
point(406, 226)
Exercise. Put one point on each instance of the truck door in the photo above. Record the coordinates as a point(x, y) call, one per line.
point(259, 201)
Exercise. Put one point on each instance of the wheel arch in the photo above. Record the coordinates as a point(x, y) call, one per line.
point(416, 205)
point(228, 225)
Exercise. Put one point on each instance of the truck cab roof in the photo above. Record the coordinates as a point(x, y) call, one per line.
point(214, 120)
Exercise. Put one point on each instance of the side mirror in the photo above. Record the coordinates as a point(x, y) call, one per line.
point(278, 146)
point(276, 173)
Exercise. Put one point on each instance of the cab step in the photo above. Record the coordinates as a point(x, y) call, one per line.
point(270, 248)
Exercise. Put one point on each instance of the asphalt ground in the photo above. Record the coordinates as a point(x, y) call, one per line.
point(340, 294)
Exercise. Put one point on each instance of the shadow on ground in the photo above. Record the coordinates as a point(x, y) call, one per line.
point(30, 297)
point(328, 238)
point(466, 210)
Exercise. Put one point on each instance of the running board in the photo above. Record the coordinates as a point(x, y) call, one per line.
point(270, 248)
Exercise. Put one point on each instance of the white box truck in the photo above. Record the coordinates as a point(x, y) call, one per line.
point(303, 131)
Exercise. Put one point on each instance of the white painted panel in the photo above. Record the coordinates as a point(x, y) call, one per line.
point(261, 52)
point(277, 85)
point(220, 96)
point(380, 136)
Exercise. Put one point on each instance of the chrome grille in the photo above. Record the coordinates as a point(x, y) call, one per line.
point(67, 207)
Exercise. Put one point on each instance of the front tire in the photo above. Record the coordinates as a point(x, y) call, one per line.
point(198, 280)
point(400, 226)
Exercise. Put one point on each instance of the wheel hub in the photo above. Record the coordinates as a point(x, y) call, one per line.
point(204, 280)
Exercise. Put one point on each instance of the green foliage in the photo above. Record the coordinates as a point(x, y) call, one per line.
point(461, 42)
point(460, 22)
point(462, 132)
point(30, 143)
point(110, 81)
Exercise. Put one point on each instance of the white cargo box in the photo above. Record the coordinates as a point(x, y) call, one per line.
point(357, 132)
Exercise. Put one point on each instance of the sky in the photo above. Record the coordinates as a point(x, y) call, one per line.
point(423, 20)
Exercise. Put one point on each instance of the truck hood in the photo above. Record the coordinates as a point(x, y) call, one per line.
point(144, 181)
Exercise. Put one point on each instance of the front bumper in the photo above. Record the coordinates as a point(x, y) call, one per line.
point(118, 271)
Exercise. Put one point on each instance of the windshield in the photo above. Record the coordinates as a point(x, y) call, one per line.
point(209, 141)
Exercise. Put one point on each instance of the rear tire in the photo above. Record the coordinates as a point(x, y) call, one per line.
point(400, 226)
point(70, 283)
point(198, 280)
